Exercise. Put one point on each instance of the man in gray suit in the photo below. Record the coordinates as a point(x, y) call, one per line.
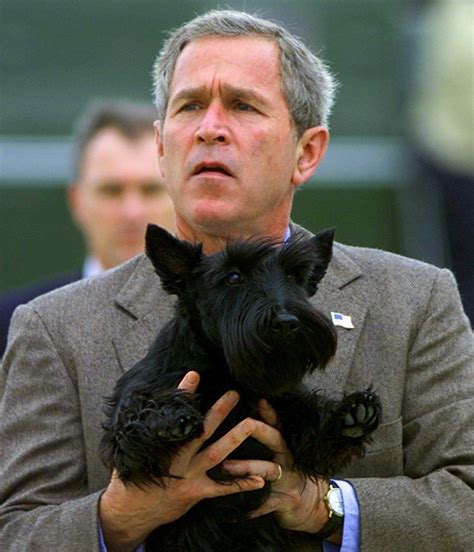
point(243, 111)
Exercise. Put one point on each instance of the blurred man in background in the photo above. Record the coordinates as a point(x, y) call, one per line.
point(115, 192)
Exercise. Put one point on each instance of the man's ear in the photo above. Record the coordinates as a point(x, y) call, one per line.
point(172, 258)
point(159, 146)
point(73, 196)
point(310, 150)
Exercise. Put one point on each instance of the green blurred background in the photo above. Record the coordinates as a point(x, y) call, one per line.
point(56, 55)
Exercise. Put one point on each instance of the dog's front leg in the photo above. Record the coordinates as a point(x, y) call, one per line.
point(145, 430)
point(322, 434)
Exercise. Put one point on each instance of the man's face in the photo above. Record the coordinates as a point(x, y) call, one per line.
point(117, 194)
point(227, 146)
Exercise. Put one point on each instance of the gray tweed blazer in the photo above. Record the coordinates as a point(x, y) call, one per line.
point(411, 341)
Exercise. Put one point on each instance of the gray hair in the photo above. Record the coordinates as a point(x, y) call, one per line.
point(307, 85)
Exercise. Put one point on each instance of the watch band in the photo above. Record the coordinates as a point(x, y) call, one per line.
point(335, 520)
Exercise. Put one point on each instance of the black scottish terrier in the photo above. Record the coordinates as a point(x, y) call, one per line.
point(244, 321)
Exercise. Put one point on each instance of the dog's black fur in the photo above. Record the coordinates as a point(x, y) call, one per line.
point(244, 321)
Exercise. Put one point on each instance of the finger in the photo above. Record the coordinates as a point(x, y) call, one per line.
point(267, 413)
point(271, 437)
point(250, 483)
point(213, 418)
point(217, 452)
point(190, 382)
point(218, 412)
point(270, 471)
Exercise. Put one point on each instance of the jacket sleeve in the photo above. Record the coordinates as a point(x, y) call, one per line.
point(43, 485)
point(431, 506)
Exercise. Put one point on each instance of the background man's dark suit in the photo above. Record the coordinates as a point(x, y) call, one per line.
point(19, 296)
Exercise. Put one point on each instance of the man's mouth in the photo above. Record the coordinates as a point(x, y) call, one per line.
point(205, 168)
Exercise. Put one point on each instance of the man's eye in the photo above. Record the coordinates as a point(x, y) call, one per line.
point(190, 106)
point(152, 189)
point(242, 106)
point(234, 278)
point(110, 190)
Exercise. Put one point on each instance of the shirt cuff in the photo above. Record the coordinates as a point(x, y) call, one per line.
point(103, 547)
point(351, 527)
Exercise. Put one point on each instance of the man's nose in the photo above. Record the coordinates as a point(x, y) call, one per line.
point(133, 207)
point(213, 127)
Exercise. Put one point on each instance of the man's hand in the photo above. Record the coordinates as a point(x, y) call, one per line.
point(296, 500)
point(128, 513)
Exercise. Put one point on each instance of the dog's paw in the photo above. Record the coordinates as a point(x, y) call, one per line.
point(360, 414)
point(176, 424)
point(171, 416)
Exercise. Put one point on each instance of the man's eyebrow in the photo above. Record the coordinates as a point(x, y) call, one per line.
point(230, 90)
point(244, 93)
point(187, 93)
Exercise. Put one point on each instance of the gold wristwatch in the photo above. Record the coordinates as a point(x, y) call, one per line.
point(335, 506)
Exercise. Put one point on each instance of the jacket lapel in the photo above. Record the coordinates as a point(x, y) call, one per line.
point(342, 294)
point(145, 308)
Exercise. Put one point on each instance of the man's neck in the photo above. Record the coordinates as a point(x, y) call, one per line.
point(216, 241)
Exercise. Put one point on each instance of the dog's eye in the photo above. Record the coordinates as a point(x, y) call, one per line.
point(234, 278)
point(291, 278)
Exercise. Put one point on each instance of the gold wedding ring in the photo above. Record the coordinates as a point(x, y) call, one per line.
point(280, 473)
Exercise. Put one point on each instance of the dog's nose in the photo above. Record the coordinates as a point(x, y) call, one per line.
point(285, 323)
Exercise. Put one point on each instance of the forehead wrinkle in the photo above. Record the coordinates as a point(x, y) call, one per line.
point(227, 90)
point(243, 93)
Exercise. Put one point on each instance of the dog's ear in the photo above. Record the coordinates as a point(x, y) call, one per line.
point(172, 258)
point(322, 243)
point(307, 260)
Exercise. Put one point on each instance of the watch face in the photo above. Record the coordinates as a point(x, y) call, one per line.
point(335, 501)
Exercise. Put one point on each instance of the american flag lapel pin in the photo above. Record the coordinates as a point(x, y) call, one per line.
point(342, 320)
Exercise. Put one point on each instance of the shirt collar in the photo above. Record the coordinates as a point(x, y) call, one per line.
point(91, 267)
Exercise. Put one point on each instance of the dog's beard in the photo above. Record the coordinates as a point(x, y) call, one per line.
point(268, 363)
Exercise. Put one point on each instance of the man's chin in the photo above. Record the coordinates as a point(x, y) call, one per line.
point(214, 215)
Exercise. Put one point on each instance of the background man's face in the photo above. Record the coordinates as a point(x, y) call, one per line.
point(118, 193)
point(227, 148)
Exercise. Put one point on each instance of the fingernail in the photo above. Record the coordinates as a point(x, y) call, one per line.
point(192, 377)
point(232, 397)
